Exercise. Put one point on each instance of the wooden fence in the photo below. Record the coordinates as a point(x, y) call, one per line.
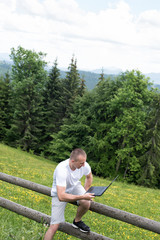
point(102, 209)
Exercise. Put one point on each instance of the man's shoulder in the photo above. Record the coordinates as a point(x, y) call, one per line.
point(63, 164)
point(87, 165)
point(86, 169)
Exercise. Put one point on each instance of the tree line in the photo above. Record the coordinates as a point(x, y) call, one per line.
point(117, 123)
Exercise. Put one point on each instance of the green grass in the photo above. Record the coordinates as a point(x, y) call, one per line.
point(138, 200)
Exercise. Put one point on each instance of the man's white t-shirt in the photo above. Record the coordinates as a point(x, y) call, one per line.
point(65, 177)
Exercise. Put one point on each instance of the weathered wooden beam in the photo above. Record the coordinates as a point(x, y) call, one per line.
point(26, 184)
point(43, 218)
point(115, 213)
point(127, 217)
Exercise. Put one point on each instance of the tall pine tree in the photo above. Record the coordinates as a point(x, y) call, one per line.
point(5, 109)
point(82, 87)
point(150, 160)
point(129, 106)
point(101, 78)
point(28, 77)
point(53, 105)
point(71, 86)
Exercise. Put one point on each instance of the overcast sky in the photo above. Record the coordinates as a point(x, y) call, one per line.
point(122, 34)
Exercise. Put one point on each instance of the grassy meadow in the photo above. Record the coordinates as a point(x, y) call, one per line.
point(138, 200)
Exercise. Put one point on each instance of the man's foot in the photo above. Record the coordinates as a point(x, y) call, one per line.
point(81, 225)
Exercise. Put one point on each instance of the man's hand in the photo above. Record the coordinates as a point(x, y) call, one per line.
point(88, 196)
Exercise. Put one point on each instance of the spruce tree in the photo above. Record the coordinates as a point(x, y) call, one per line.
point(76, 131)
point(28, 77)
point(71, 87)
point(53, 105)
point(5, 109)
point(129, 108)
point(150, 160)
point(82, 87)
point(101, 78)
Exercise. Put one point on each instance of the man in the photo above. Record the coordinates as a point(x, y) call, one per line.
point(67, 188)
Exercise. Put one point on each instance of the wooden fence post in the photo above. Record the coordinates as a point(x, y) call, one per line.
point(43, 218)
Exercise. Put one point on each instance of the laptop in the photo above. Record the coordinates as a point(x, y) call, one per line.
point(98, 191)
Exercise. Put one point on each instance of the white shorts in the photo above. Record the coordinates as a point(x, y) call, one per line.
point(58, 208)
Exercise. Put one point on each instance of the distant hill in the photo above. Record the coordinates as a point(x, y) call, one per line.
point(91, 78)
point(4, 57)
point(155, 77)
point(4, 67)
point(111, 70)
point(157, 86)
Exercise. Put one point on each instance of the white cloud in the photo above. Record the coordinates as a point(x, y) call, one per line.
point(112, 37)
point(112, 24)
point(150, 18)
point(33, 7)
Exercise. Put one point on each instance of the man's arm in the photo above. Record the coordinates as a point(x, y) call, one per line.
point(88, 181)
point(66, 197)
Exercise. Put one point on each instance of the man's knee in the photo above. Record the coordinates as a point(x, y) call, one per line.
point(85, 203)
point(51, 231)
point(54, 226)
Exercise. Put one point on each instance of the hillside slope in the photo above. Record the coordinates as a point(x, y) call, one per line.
point(139, 200)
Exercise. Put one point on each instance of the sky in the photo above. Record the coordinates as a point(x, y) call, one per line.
point(109, 34)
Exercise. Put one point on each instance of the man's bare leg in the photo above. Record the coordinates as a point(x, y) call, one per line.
point(51, 232)
point(83, 207)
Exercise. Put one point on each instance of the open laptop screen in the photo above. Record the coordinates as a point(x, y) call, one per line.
point(98, 191)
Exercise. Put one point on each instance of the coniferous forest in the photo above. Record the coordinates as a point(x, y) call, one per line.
point(117, 123)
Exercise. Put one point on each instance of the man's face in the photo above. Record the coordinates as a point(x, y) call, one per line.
point(80, 161)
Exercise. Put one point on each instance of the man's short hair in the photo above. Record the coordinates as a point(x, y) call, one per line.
point(76, 152)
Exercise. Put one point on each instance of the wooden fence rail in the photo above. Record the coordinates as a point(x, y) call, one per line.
point(43, 218)
point(102, 209)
